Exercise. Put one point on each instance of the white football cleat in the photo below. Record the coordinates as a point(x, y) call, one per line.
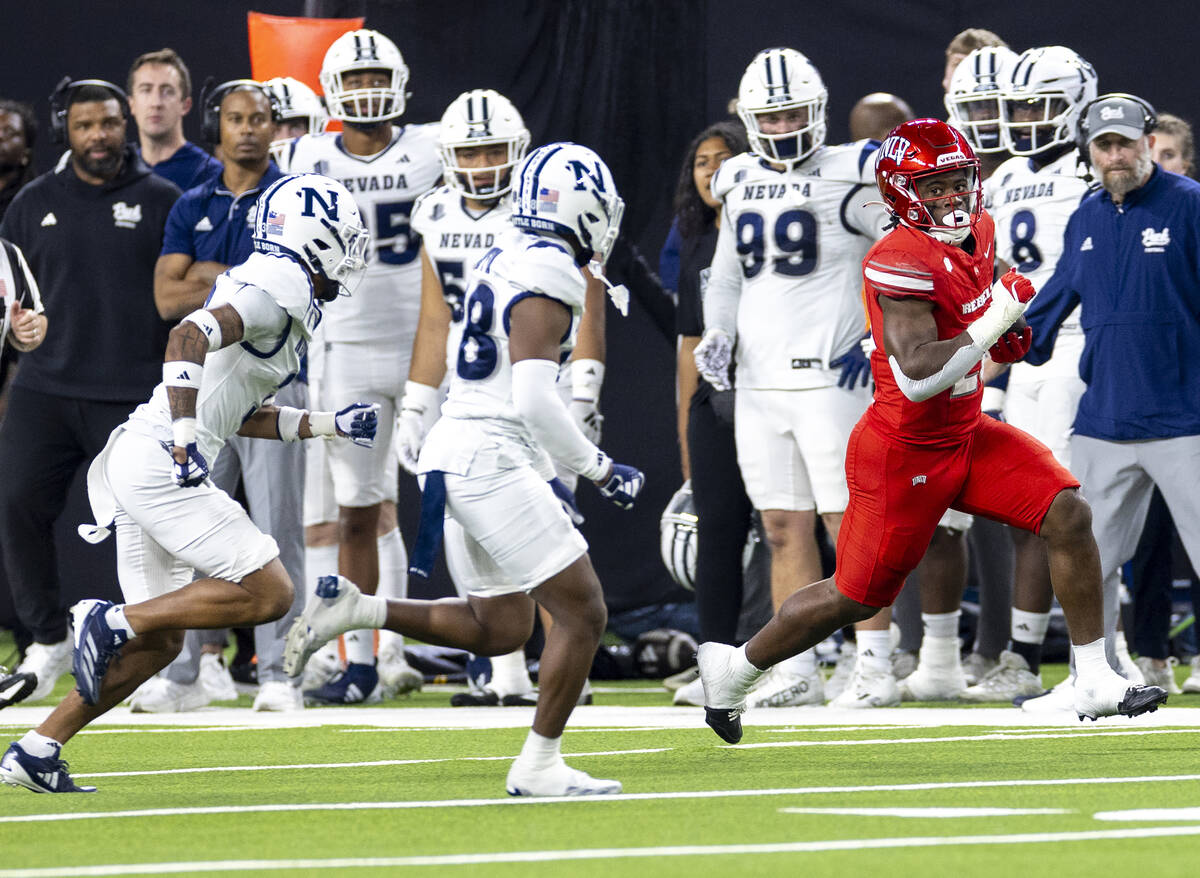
point(329, 612)
point(1153, 675)
point(216, 679)
point(1010, 679)
point(690, 694)
point(1112, 694)
point(1060, 698)
point(869, 689)
point(396, 675)
point(322, 666)
point(782, 688)
point(724, 690)
point(976, 667)
point(1192, 683)
point(278, 695)
point(560, 780)
point(160, 695)
point(931, 683)
point(843, 671)
point(47, 662)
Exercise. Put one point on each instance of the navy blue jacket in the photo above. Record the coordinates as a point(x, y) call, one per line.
point(1135, 268)
point(188, 166)
point(211, 224)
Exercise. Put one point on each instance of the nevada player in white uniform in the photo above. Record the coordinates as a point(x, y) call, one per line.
point(222, 366)
point(489, 459)
point(786, 287)
point(300, 112)
point(1031, 197)
point(386, 167)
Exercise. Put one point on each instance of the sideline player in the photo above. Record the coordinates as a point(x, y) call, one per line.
point(784, 289)
point(924, 444)
point(1032, 195)
point(151, 480)
point(488, 461)
point(300, 112)
point(367, 344)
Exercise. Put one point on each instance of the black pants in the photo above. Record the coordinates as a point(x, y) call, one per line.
point(724, 513)
point(44, 440)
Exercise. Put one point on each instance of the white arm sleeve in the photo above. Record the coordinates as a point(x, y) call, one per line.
point(724, 288)
point(959, 364)
point(540, 407)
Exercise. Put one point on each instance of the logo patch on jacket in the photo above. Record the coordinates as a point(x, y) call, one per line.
point(126, 216)
point(1155, 242)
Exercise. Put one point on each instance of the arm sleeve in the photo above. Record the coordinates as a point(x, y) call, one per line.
point(177, 235)
point(920, 389)
point(540, 407)
point(724, 289)
point(1053, 303)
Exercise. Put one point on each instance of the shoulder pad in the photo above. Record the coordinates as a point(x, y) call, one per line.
point(281, 278)
point(732, 172)
point(545, 267)
point(423, 208)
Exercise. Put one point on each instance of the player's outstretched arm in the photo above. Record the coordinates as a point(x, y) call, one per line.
point(421, 404)
point(537, 324)
point(357, 422)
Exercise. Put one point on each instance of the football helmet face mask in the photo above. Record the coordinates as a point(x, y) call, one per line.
point(481, 118)
point(314, 220)
point(926, 148)
point(1045, 92)
point(296, 102)
point(976, 90)
point(355, 52)
point(782, 81)
point(566, 190)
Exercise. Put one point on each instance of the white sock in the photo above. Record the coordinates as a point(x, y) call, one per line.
point(40, 746)
point(1029, 627)
point(318, 561)
point(1121, 647)
point(941, 625)
point(540, 753)
point(744, 673)
point(802, 665)
point(509, 673)
point(360, 646)
point(393, 577)
point(874, 649)
point(1090, 660)
point(115, 617)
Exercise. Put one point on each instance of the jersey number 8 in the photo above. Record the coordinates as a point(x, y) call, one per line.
point(477, 353)
point(795, 235)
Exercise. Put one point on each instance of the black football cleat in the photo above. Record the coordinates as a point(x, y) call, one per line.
point(726, 722)
point(15, 687)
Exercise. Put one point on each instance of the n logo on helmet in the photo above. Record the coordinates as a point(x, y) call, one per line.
point(594, 175)
point(312, 198)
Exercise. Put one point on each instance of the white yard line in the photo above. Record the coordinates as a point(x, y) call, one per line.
point(740, 850)
point(1004, 736)
point(625, 797)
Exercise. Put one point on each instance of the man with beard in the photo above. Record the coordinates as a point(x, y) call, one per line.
point(91, 232)
point(1129, 259)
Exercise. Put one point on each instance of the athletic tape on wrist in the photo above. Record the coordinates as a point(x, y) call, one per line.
point(322, 423)
point(288, 423)
point(182, 373)
point(587, 377)
point(183, 431)
point(208, 325)
point(420, 398)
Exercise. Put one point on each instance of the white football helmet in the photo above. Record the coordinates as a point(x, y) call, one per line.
point(363, 50)
point(314, 219)
point(778, 80)
point(678, 536)
point(976, 89)
point(296, 101)
point(566, 190)
point(482, 117)
point(1047, 88)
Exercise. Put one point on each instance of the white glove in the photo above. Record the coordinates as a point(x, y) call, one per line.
point(587, 377)
point(713, 356)
point(419, 410)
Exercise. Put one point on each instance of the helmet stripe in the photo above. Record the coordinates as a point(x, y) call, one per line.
point(529, 186)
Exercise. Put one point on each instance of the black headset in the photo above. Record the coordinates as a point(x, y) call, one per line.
point(60, 102)
point(1083, 135)
point(210, 105)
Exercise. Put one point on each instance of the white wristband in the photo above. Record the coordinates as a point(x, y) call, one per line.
point(420, 398)
point(288, 423)
point(322, 424)
point(208, 324)
point(587, 377)
point(1001, 313)
point(184, 431)
point(182, 373)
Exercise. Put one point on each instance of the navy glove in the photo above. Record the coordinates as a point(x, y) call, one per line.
point(624, 485)
point(855, 366)
point(567, 498)
point(358, 423)
point(193, 471)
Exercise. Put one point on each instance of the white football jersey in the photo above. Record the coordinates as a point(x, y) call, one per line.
point(385, 187)
point(455, 237)
point(274, 297)
point(1031, 208)
point(791, 246)
point(520, 265)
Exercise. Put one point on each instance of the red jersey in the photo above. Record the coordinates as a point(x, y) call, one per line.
point(910, 264)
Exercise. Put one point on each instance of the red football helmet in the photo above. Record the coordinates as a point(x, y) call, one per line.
point(926, 148)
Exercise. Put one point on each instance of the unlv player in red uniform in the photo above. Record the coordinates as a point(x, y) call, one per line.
point(924, 446)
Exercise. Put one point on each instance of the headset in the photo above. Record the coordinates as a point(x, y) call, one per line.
point(1082, 137)
point(210, 105)
point(60, 101)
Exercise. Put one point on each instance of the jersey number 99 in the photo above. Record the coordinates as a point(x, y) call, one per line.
point(795, 234)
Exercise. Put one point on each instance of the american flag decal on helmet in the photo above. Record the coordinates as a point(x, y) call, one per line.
point(274, 225)
point(547, 200)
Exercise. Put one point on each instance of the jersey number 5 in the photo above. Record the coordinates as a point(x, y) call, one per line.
point(393, 234)
point(795, 236)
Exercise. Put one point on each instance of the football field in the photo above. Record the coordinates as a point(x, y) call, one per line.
point(416, 788)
